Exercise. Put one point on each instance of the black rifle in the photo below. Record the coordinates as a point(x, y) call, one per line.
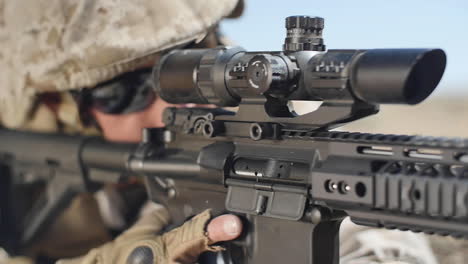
point(290, 179)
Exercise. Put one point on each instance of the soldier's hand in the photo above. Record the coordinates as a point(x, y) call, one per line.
point(144, 243)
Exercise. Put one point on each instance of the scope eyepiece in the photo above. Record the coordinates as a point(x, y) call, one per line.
point(195, 76)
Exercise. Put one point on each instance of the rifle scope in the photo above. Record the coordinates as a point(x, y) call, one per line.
point(302, 71)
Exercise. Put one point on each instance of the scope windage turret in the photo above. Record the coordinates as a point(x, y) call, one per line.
point(225, 76)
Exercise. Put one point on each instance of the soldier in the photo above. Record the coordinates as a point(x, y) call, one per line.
point(54, 47)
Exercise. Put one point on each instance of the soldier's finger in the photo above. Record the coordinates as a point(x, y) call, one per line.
point(224, 228)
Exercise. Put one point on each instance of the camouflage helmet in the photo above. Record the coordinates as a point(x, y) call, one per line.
point(60, 45)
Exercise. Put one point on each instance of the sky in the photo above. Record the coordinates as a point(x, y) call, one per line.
point(366, 24)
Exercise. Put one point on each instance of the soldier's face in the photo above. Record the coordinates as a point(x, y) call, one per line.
point(127, 127)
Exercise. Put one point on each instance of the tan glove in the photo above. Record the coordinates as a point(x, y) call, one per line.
point(142, 242)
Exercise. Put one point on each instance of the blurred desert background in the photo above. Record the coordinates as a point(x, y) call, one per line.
point(440, 115)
